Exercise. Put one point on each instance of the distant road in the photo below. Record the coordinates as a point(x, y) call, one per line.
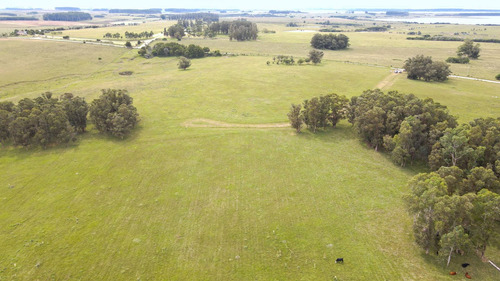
point(477, 79)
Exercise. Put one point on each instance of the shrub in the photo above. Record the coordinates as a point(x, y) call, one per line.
point(462, 60)
point(498, 76)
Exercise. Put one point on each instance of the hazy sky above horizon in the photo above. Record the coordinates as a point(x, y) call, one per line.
point(257, 4)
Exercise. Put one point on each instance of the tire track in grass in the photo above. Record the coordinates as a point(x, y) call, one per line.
point(208, 123)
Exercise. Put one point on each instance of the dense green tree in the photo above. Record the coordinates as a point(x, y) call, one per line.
point(315, 56)
point(295, 117)
point(21, 131)
point(6, 116)
point(184, 63)
point(195, 51)
point(420, 67)
point(128, 44)
point(243, 30)
point(312, 113)
point(453, 241)
point(330, 41)
point(334, 108)
point(454, 146)
point(76, 109)
point(51, 125)
point(485, 214)
point(468, 49)
point(176, 31)
point(113, 113)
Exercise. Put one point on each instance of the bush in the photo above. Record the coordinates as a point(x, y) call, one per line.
point(498, 76)
point(184, 63)
point(113, 113)
point(462, 60)
point(128, 44)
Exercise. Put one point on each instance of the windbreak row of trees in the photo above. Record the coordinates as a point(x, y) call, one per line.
point(135, 11)
point(173, 49)
point(69, 16)
point(206, 17)
point(47, 120)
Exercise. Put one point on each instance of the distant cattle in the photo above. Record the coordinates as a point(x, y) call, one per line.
point(467, 275)
point(339, 260)
point(464, 265)
point(453, 273)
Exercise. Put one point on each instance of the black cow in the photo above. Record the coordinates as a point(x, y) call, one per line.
point(464, 265)
point(339, 260)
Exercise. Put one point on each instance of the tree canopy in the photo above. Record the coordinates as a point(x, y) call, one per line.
point(330, 41)
point(468, 49)
point(420, 67)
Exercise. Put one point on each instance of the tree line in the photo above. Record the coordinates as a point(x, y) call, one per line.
point(447, 38)
point(47, 120)
point(135, 11)
point(68, 16)
point(456, 208)
point(206, 17)
point(172, 49)
point(330, 41)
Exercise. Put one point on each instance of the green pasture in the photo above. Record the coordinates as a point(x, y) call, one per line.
point(184, 203)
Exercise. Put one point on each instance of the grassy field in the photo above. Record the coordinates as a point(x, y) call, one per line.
point(180, 203)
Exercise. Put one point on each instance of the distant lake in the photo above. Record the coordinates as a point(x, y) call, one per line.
point(452, 20)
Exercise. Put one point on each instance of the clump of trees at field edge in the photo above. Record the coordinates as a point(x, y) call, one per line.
point(330, 41)
point(173, 49)
point(456, 207)
point(48, 121)
point(420, 67)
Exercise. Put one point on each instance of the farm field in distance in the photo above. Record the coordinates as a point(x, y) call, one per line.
point(176, 201)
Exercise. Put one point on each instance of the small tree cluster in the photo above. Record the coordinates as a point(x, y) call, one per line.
point(330, 41)
point(455, 210)
point(134, 35)
point(405, 125)
point(42, 121)
point(468, 49)
point(315, 56)
point(420, 67)
point(183, 63)
point(176, 31)
point(243, 30)
point(113, 113)
point(319, 112)
point(173, 49)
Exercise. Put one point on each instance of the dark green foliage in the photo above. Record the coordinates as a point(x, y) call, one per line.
point(476, 144)
point(468, 49)
point(184, 63)
point(405, 124)
point(195, 51)
point(113, 113)
point(295, 117)
point(319, 112)
point(420, 67)
point(281, 59)
point(69, 16)
point(243, 30)
point(134, 35)
point(315, 56)
point(41, 121)
point(330, 41)
point(171, 49)
point(462, 60)
point(18, 18)
point(453, 210)
point(176, 31)
point(128, 44)
point(76, 109)
point(498, 76)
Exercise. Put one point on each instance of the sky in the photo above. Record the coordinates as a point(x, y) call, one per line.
point(257, 4)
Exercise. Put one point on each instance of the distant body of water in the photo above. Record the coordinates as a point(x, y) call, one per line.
point(452, 20)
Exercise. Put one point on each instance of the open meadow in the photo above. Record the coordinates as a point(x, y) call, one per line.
point(177, 201)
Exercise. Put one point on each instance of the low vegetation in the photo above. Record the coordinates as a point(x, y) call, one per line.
point(173, 49)
point(468, 49)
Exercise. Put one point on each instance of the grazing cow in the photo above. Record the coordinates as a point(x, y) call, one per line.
point(467, 275)
point(453, 273)
point(464, 265)
point(339, 260)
